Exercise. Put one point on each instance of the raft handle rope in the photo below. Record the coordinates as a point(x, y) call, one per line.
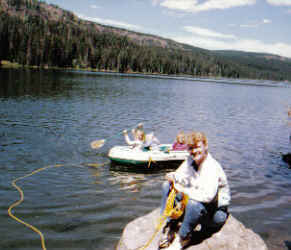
point(150, 161)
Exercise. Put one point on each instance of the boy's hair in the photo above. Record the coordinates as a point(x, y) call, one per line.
point(194, 137)
point(181, 133)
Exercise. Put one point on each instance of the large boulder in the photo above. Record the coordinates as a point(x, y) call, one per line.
point(233, 235)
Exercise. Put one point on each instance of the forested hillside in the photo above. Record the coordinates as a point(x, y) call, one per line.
point(38, 34)
point(263, 62)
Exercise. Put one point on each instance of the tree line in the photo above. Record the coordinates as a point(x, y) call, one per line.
point(29, 35)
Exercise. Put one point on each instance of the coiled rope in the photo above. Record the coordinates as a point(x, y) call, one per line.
point(171, 210)
point(15, 204)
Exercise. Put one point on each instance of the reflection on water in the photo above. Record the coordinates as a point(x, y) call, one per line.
point(130, 182)
point(51, 117)
point(25, 83)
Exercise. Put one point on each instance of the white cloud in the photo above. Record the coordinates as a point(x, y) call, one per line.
point(173, 13)
point(111, 22)
point(195, 6)
point(255, 24)
point(267, 21)
point(207, 33)
point(250, 45)
point(94, 6)
point(279, 2)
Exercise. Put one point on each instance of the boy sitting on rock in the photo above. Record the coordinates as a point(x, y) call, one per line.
point(202, 180)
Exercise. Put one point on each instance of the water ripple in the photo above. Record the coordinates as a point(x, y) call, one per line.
point(86, 203)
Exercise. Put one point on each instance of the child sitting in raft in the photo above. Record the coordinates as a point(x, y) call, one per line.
point(141, 140)
point(180, 143)
point(135, 131)
point(151, 142)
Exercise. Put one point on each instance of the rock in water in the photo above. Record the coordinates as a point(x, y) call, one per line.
point(287, 158)
point(232, 236)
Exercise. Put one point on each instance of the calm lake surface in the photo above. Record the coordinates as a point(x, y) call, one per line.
point(49, 118)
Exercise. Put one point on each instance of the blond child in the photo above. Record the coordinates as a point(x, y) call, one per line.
point(180, 143)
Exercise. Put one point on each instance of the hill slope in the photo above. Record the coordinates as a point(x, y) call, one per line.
point(36, 33)
point(260, 61)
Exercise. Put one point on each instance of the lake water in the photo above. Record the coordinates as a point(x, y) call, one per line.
point(49, 118)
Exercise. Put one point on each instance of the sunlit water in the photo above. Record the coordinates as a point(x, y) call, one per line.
point(49, 118)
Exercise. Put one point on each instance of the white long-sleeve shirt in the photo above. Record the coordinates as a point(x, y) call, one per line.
point(150, 141)
point(137, 144)
point(202, 185)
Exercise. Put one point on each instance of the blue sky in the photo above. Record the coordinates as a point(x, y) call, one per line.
point(247, 25)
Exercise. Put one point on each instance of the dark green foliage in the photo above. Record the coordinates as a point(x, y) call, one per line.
point(34, 33)
point(275, 67)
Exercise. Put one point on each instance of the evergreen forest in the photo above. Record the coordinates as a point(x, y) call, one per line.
point(34, 33)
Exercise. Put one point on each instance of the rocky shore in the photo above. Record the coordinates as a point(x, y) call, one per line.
point(232, 236)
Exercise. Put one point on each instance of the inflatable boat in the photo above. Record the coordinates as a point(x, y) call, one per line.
point(160, 155)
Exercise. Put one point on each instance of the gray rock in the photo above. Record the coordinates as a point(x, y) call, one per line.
point(232, 236)
point(287, 157)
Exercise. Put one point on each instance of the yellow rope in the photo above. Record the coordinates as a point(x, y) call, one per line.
point(169, 211)
point(159, 226)
point(15, 204)
point(172, 211)
point(150, 160)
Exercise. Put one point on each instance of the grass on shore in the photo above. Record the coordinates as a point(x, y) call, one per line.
point(8, 64)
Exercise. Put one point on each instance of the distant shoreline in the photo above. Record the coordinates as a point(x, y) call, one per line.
point(242, 81)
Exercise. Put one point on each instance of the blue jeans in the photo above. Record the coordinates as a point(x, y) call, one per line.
point(208, 215)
